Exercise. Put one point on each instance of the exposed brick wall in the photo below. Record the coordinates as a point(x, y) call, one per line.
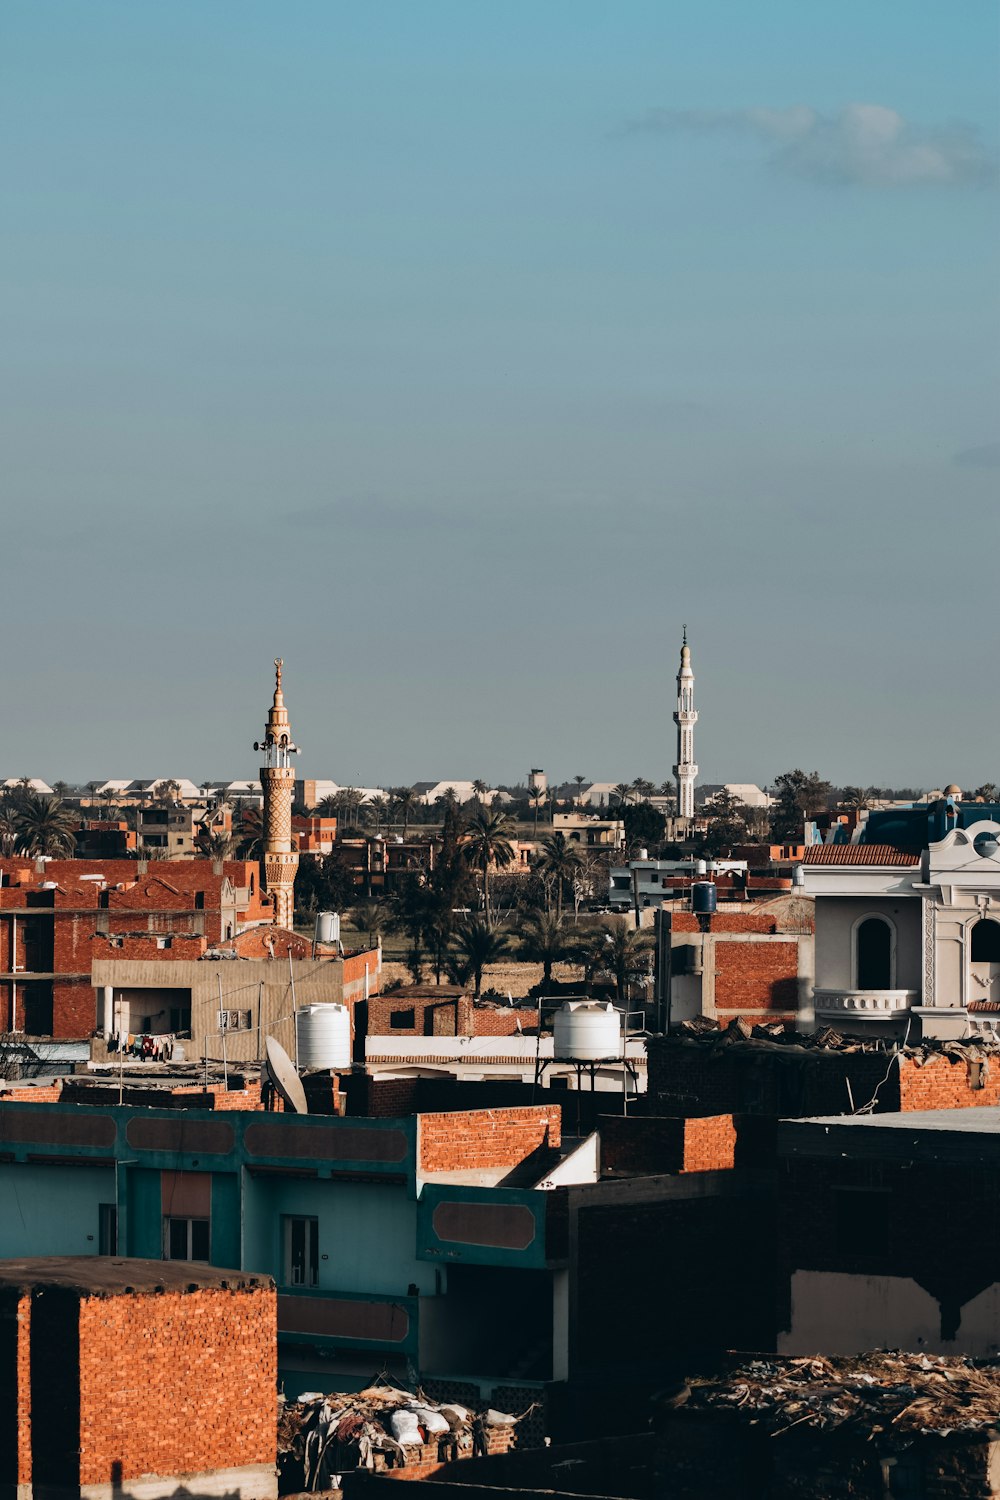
point(188, 900)
point(45, 1094)
point(177, 1383)
point(433, 1015)
point(941, 1083)
point(724, 921)
point(637, 1146)
point(503, 1022)
point(485, 1137)
point(756, 975)
point(709, 1143)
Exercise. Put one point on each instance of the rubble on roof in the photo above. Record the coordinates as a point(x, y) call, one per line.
point(773, 1035)
point(889, 1396)
point(381, 1427)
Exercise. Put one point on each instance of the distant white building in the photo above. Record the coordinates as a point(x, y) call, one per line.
point(465, 791)
point(744, 791)
point(35, 783)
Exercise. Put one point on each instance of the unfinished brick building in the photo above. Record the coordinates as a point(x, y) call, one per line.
point(57, 916)
point(754, 964)
point(121, 1377)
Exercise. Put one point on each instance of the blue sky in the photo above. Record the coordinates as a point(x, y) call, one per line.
point(458, 353)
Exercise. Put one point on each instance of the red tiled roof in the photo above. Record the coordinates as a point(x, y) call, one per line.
point(858, 854)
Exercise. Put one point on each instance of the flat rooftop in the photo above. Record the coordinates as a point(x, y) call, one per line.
point(961, 1136)
point(109, 1276)
point(983, 1121)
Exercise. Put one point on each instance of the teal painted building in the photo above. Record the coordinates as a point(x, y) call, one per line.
point(378, 1266)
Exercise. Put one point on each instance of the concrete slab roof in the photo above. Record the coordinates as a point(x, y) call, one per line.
point(108, 1276)
point(983, 1121)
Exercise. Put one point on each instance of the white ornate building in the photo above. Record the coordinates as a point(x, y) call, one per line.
point(685, 717)
point(908, 922)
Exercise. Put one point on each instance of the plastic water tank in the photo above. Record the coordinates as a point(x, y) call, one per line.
point(704, 897)
point(327, 927)
point(323, 1033)
point(586, 1029)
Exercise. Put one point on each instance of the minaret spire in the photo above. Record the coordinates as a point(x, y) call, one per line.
point(277, 779)
point(685, 717)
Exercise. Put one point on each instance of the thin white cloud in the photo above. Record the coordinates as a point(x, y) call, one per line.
point(987, 457)
point(868, 144)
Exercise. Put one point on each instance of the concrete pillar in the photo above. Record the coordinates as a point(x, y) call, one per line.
point(560, 1325)
point(109, 1010)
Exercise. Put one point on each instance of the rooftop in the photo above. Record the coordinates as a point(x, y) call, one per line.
point(105, 1276)
point(979, 1121)
point(859, 854)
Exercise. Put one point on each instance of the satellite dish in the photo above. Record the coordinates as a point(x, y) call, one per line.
point(281, 1071)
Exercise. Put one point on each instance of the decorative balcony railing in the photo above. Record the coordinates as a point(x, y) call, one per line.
point(864, 1005)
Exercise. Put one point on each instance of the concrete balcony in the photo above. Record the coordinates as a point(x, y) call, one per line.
point(842, 1006)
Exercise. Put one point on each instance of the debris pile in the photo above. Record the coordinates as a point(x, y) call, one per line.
point(880, 1395)
point(382, 1427)
point(708, 1032)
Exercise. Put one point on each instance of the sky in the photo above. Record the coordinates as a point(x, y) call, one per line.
point(461, 353)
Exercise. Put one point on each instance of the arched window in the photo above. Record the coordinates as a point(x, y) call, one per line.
point(985, 947)
point(873, 954)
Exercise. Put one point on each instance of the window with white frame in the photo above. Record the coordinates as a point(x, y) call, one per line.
point(301, 1250)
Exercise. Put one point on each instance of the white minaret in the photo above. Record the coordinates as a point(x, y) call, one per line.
point(685, 718)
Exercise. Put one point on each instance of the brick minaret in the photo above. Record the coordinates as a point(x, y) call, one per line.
point(278, 782)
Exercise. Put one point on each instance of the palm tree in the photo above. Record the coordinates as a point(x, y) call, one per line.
point(487, 843)
point(643, 789)
point(329, 807)
point(403, 802)
point(623, 791)
point(379, 806)
point(45, 825)
point(167, 791)
point(622, 952)
point(8, 827)
point(348, 800)
point(474, 945)
point(480, 788)
point(558, 862)
point(543, 940)
point(250, 835)
point(581, 782)
point(215, 846)
point(370, 917)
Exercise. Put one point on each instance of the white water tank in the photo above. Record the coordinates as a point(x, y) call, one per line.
point(327, 927)
point(586, 1029)
point(323, 1033)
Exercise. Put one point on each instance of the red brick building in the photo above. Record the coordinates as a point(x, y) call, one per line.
point(56, 916)
point(754, 964)
point(113, 1371)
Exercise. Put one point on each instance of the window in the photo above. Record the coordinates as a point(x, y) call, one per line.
point(986, 942)
point(164, 942)
point(402, 1019)
point(107, 1229)
point(873, 941)
point(185, 1239)
point(301, 1252)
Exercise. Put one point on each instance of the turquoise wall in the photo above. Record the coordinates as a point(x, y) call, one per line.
point(52, 1210)
point(367, 1231)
